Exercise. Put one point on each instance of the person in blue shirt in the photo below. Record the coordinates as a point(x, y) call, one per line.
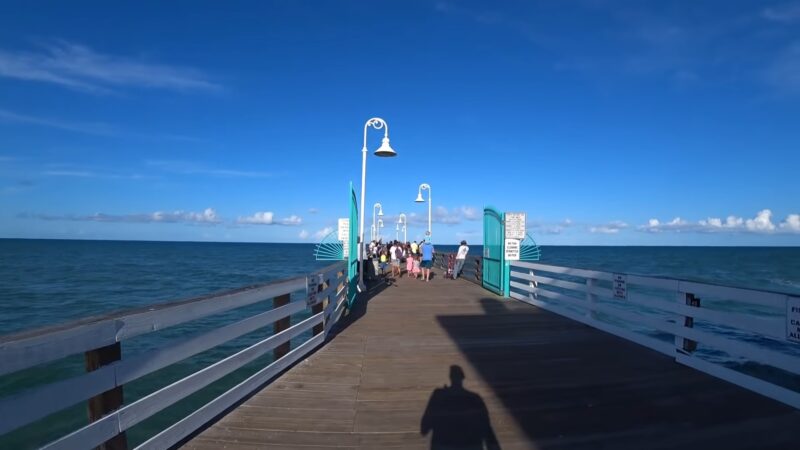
point(427, 260)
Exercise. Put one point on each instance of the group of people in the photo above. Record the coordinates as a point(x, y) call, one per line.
point(416, 259)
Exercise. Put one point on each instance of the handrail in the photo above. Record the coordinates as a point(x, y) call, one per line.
point(325, 295)
point(653, 306)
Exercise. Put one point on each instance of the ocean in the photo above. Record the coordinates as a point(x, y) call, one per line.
point(45, 282)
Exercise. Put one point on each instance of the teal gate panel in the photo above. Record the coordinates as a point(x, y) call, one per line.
point(352, 263)
point(493, 260)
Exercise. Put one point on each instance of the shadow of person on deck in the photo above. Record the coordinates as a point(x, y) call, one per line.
point(457, 417)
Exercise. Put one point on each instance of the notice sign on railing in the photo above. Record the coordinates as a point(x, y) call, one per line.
point(344, 236)
point(515, 225)
point(620, 286)
point(793, 319)
point(512, 249)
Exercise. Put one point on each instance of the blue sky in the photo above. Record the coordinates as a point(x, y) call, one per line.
point(608, 122)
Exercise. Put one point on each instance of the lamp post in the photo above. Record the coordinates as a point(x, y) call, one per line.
point(379, 208)
point(384, 150)
point(426, 187)
point(403, 221)
point(380, 226)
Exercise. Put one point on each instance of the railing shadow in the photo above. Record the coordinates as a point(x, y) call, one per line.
point(360, 305)
point(457, 418)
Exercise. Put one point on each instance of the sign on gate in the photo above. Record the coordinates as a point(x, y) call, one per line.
point(515, 225)
point(793, 318)
point(620, 286)
point(512, 249)
point(344, 236)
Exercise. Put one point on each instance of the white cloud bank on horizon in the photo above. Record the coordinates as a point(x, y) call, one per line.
point(609, 228)
point(441, 215)
point(760, 224)
point(268, 218)
point(78, 67)
point(208, 216)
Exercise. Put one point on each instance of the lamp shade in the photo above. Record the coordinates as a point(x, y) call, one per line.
point(419, 198)
point(385, 149)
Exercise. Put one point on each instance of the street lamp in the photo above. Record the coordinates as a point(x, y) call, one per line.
point(426, 187)
point(380, 225)
point(403, 221)
point(384, 151)
point(379, 207)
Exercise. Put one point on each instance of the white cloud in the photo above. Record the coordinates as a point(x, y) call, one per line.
point(191, 168)
point(80, 68)
point(609, 228)
point(792, 223)
point(207, 216)
point(442, 215)
point(304, 234)
point(319, 235)
point(96, 128)
point(549, 228)
point(761, 224)
point(268, 218)
point(313, 210)
point(784, 13)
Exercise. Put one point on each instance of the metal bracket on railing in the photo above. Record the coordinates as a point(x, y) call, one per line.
point(689, 345)
point(313, 282)
point(533, 284)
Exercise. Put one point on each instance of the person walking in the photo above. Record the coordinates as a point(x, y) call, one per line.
point(414, 248)
point(461, 257)
point(427, 260)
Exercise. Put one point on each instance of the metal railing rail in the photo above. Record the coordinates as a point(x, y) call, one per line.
point(641, 308)
point(323, 292)
point(472, 270)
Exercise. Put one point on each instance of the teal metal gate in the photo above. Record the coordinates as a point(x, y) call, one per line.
point(493, 260)
point(352, 262)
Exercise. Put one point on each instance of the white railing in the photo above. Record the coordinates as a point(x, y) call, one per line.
point(324, 293)
point(689, 321)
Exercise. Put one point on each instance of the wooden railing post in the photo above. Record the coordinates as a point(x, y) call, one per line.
point(280, 325)
point(591, 299)
point(688, 321)
point(319, 307)
point(102, 404)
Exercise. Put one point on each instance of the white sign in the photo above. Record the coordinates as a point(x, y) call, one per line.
point(793, 318)
point(344, 236)
point(344, 229)
point(515, 225)
point(512, 248)
point(620, 286)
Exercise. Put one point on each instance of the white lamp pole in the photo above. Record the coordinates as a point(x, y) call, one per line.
point(379, 208)
point(384, 150)
point(403, 221)
point(380, 229)
point(426, 187)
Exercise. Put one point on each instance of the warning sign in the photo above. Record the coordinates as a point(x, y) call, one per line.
point(515, 225)
point(512, 248)
point(620, 286)
point(793, 318)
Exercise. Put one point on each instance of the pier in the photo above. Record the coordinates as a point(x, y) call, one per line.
point(547, 382)
point(514, 354)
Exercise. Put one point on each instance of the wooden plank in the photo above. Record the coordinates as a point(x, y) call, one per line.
point(109, 400)
point(281, 325)
point(546, 381)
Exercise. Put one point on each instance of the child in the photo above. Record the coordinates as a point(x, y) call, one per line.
point(416, 266)
point(384, 261)
point(409, 262)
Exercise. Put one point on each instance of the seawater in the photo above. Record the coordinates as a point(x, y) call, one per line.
point(46, 282)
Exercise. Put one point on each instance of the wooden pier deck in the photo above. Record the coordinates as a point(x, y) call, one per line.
point(546, 382)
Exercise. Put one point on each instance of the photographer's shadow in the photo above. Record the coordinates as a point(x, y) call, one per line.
point(458, 418)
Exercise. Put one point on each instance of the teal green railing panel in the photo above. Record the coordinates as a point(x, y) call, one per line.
point(352, 265)
point(529, 251)
point(493, 259)
point(330, 248)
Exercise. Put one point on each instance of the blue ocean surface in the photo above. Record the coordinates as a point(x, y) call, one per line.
point(46, 282)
